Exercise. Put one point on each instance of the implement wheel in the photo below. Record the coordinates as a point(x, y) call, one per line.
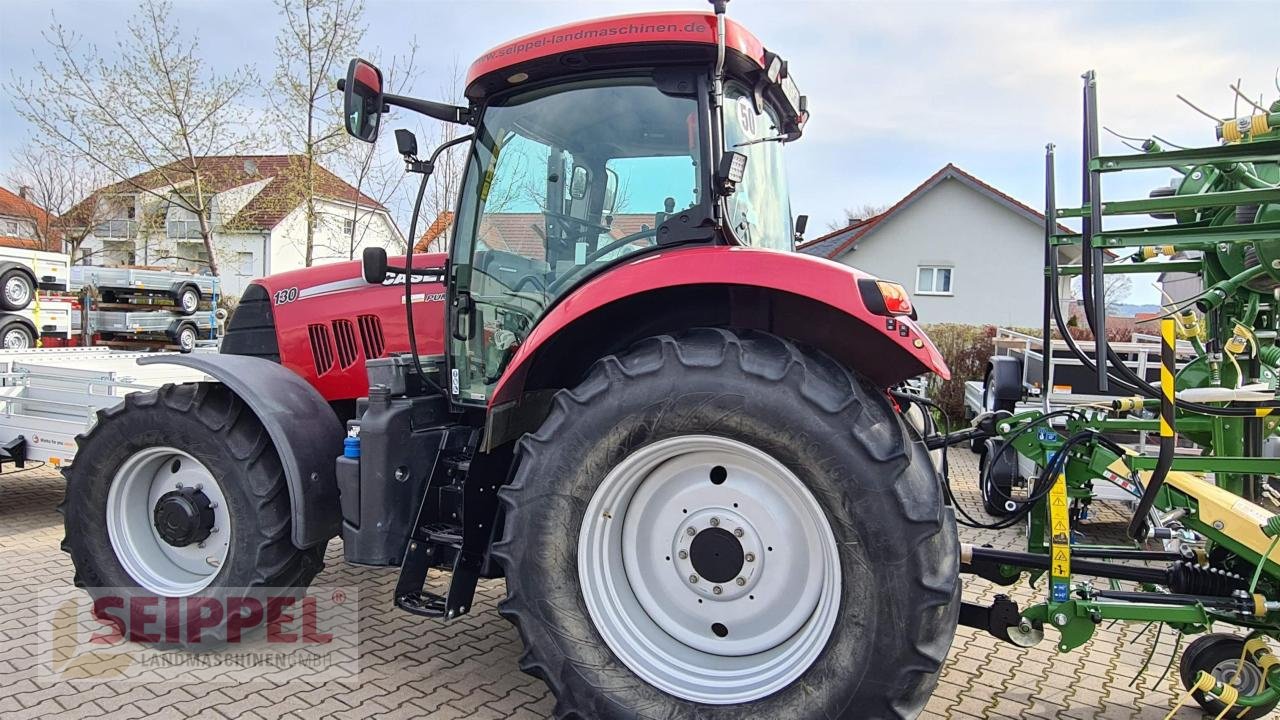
point(179, 492)
point(1219, 655)
point(725, 526)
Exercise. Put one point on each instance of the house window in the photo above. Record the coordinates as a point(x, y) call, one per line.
point(933, 280)
point(244, 263)
point(348, 226)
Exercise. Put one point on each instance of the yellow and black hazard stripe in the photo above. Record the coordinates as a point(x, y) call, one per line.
point(1167, 360)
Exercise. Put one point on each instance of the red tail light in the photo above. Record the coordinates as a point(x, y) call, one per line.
point(883, 297)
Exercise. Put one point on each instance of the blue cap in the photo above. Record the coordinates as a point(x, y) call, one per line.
point(351, 447)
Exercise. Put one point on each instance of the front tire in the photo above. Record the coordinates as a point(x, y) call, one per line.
point(853, 617)
point(194, 446)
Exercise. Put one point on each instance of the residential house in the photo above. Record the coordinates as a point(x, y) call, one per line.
point(23, 224)
point(965, 252)
point(258, 217)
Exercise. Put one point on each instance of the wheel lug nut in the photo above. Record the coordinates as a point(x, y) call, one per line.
point(716, 590)
point(178, 485)
point(750, 557)
point(691, 532)
point(684, 555)
point(199, 487)
point(738, 532)
point(693, 578)
point(741, 581)
point(715, 522)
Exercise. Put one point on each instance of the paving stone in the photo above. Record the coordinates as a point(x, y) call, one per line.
point(412, 668)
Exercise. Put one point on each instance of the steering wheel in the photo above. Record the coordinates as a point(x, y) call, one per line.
point(559, 282)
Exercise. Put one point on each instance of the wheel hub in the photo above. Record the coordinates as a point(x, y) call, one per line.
point(183, 517)
point(718, 554)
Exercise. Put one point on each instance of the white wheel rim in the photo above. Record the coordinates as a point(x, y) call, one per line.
point(190, 301)
point(187, 339)
point(17, 291)
point(153, 563)
point(661, 598)
point(16, 339)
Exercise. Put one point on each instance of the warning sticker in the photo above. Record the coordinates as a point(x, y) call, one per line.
point(1060, 539)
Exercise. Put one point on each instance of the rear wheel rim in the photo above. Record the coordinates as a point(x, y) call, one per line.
point(190, 301)
point(160, 567)
point(710, 569)
point(187, 339)
point(17, 291)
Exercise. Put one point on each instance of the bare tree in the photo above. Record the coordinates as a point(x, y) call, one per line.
point(318, 38)
point(147, 116)
point(856, 213)
point(56, 182)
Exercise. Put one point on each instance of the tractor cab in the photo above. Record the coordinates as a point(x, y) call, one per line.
point(597, 144)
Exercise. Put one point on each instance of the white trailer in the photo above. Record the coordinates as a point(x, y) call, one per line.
point(120, 284)
point(48, 397)
point(21, 329)
point(23, 272)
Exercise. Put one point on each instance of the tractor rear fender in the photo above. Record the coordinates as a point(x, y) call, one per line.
point(304, 429)
point(809, 300)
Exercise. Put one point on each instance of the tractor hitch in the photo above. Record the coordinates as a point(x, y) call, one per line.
point(1003, 620)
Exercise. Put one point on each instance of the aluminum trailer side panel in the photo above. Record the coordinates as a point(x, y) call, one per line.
point(137, 279)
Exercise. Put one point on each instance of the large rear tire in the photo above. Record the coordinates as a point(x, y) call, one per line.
point(628, 605)
point(180, 491)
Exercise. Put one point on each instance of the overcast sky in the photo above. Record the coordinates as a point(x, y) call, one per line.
point(896, 89)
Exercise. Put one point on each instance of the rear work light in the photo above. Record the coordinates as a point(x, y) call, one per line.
point(883, 297)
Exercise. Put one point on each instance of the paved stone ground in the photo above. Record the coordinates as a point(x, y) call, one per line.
point(414, 668)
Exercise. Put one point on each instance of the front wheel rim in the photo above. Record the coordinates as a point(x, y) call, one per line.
point(190, 301)
point(710, 569)
point(159, 566)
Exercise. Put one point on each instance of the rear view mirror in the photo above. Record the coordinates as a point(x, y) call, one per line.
point(362, 100)
point(610, 191)
point(578, 182)
point(373, 265)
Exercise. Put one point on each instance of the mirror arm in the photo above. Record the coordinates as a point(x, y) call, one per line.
point(439, 111)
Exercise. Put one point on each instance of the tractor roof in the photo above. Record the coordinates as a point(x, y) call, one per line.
point(580, 39)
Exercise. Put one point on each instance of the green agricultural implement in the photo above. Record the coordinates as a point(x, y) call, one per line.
point(1200, 549)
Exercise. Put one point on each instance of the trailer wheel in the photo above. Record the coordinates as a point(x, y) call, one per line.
point(1219, 655)
point(16, 289)
point(180, 491)
point(187, 300)
point(996, 473)
point(724, 525)
point(990, 403)
point(17, 336)
point(187, 335)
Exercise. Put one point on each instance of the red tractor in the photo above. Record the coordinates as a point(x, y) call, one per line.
point(621, 390)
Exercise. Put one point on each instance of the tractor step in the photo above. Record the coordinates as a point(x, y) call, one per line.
point(422, 603)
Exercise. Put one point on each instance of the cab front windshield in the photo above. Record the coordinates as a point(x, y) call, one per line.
point(561, 181)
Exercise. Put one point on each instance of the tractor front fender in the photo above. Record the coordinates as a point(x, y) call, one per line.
point(304, 429)
point(803, 298)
